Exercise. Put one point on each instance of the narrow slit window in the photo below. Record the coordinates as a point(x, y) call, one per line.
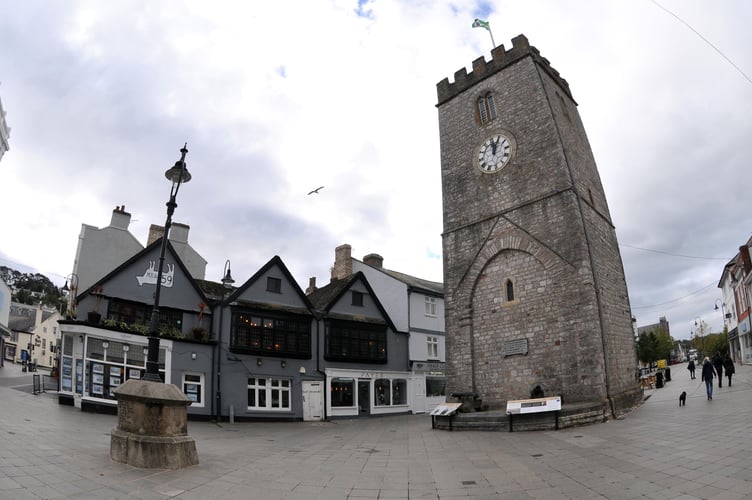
point(509, 291)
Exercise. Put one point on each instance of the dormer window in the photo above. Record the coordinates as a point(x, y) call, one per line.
point(357, 299)
point(486, 108)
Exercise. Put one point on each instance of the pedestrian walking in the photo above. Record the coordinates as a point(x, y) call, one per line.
point(728, 365)
point(707, 376)
point(691, 368)
point(718, 364)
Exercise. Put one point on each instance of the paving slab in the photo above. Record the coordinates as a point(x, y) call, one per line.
point(659, 450)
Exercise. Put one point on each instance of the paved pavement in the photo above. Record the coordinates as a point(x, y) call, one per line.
point(658, 451)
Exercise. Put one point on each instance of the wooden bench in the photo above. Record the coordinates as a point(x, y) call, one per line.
point(536, 405)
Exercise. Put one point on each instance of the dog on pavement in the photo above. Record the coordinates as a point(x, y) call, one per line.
point(683, 398)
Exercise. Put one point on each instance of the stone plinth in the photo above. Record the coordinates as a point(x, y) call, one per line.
point(152, 431)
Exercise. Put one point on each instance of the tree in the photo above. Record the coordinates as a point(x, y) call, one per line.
point(647, 348)
point(32, 288)
point(654, 345)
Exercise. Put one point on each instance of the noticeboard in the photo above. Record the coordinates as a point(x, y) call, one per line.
point(446, 409)
point(534, 405)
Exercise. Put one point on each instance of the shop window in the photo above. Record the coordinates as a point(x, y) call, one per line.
point(390, 392)
point(268, 394)
point(399, 391)
point(435, 386)
point(342, 392)
point(95, 348)
point(382, 392)
point(193, 387)
point(108, 364)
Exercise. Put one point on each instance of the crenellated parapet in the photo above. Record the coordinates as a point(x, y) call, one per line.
point(500, 58)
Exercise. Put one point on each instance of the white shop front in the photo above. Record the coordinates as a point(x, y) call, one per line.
point(94, 361)
point(352, 393)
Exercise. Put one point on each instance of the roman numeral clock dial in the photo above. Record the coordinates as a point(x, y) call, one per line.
point(494, 153)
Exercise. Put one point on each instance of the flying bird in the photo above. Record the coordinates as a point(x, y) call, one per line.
point(316, 191)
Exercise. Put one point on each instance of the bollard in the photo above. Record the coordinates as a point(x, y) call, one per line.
point(232, 414)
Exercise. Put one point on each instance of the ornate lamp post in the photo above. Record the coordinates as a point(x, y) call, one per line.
point(152, 429)
point(178, 175)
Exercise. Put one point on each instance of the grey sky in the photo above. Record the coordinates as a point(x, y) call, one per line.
point(275, 100)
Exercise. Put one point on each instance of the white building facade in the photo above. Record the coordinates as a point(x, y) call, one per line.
point(416, 307)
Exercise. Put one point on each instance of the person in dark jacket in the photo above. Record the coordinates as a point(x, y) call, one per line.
point(707, 376)
point(691, 368)
point(728, 364)
point(718, 364)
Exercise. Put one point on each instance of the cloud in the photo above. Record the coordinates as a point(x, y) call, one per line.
point(275, 98)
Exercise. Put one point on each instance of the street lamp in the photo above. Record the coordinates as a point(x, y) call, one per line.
point(700, 326)
point(726, 316)
point(178, 175)
point(71, 292)
point(227, 282)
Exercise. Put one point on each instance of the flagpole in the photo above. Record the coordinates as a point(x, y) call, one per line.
point(480, 23)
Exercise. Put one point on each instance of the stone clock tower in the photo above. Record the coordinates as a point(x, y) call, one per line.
point(535, 293)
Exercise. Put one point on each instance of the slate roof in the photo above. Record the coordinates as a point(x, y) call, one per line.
point(322, 297)
point(417, 283)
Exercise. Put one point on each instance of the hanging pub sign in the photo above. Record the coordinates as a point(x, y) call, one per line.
point(150, 275)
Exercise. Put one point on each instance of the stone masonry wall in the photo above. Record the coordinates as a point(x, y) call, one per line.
point(541, 222)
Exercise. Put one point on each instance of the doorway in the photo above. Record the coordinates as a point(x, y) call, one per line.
point(364, 396)
point(313, 400)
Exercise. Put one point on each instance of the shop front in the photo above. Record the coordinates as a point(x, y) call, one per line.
point(353, 393)
point(430, 385)
point(94, 362)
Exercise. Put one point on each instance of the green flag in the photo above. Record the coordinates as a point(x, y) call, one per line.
point(479, 23)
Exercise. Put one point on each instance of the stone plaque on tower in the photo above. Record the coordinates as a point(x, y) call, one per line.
point(535, 292)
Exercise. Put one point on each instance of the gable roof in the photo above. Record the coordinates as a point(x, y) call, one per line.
point(327, 296)
point(275, 261)
point(139, 255)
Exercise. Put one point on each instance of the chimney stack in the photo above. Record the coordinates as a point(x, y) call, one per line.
point(342, 268)
point(311, 285)
point(120, 218)
point(155, 232)
point(374, 260)
point(179, 232)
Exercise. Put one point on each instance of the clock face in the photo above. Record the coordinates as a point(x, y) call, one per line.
point(494, 154)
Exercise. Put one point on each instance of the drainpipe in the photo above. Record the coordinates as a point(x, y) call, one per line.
point(218, 347)
point(318, 360)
